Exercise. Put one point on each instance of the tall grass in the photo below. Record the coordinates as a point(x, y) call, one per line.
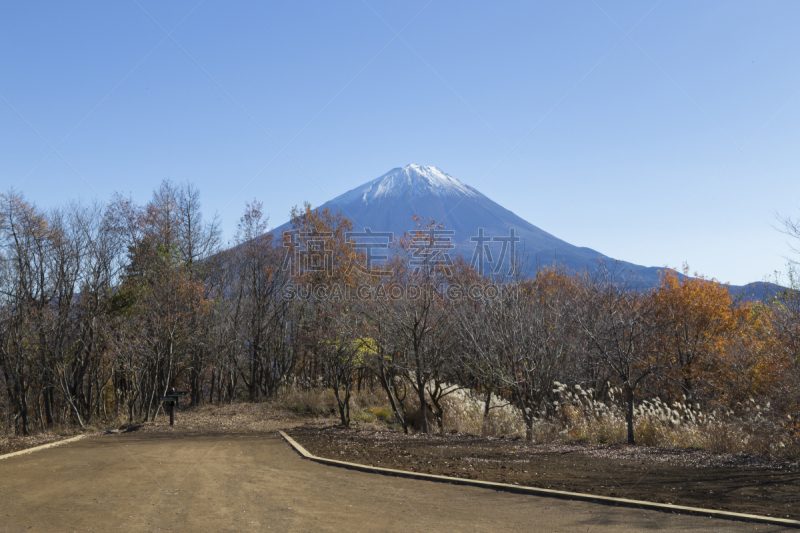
point(755, 428)
point(366, 406)
point(575, 416)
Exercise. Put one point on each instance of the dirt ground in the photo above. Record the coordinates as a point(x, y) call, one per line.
point(224, 468)
point(184, 481)
point(237, 417)
point(14, 443)
point(739, 483)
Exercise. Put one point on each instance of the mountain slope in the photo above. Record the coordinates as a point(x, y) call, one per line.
point(389, 202)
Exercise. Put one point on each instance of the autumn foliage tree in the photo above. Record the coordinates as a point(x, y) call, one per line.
point(162, 302)
point(320, 257)
point(694, 319)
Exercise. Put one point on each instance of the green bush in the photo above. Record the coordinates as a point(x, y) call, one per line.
point(381, 413)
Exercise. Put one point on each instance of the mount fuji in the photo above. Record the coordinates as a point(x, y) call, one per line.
point(388, 204)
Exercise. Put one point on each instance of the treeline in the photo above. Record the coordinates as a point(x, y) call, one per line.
point(103, 308)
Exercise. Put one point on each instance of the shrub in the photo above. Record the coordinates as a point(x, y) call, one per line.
point(318, 402)
point(383, 414)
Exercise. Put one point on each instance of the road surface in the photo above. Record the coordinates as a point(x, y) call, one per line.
point(228, 482)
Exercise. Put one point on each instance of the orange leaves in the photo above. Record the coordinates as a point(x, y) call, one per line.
point(695, 311)
point(253, 224)
point(694, 321)
point(717, 349)
point(318, 246)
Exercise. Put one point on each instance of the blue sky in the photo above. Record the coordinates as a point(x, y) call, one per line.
point(654, 132)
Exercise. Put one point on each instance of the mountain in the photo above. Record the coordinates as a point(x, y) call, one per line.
point(388, 203)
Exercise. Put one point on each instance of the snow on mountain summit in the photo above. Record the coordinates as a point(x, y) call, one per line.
point(391, 203)
point(411, 181)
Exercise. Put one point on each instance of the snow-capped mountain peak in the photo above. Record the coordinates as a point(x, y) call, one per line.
point(390, 203)
point(412, 181)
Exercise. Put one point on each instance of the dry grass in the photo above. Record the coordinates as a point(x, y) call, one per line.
point(238, 417)
point(368, 408)
point(754, 429)
point(464, 412)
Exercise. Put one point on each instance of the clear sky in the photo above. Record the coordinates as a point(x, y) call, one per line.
point(654, 132)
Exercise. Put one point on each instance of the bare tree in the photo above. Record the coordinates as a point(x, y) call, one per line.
point(519, 343)
point(419, 319)
point(340, 349)
point(384, 354)
point(257, 282)
point(26, 291)
point(616, 321)
point(791, 227)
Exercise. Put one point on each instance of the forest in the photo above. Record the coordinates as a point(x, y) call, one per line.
point(105, 307)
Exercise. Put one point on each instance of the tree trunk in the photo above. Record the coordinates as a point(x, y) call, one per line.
point(213, 382)
point(24, 417)
point(22, 410)
point(629, 414)
point(529, 428)
point(196, 396)
point(400, 416)
point(48, 405)
point(438, 412)
point(423, 412)
point(344, 405)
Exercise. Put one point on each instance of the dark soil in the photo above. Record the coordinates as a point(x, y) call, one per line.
point(15, 443)
point(732, 482)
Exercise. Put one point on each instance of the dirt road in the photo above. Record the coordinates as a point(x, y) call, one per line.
point(228, 482)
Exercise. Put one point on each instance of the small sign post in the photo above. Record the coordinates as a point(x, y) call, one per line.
point(171, 399)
